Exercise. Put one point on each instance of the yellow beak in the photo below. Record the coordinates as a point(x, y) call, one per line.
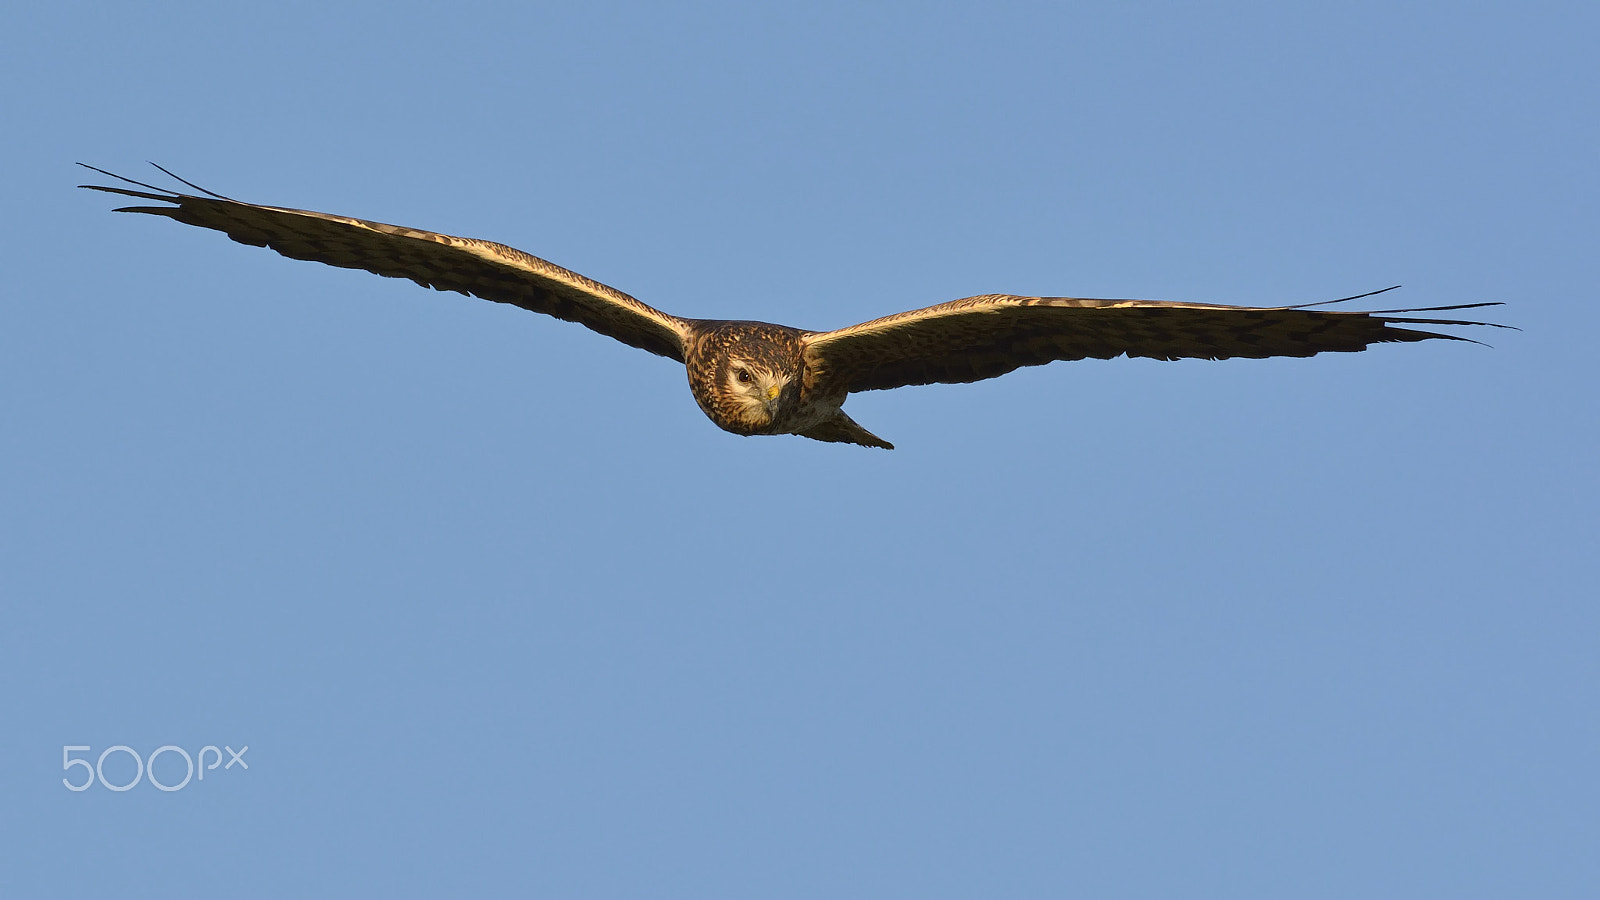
point(772, 392)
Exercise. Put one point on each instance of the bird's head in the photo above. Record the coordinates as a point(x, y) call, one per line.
point(754, 392)
point(749, 382)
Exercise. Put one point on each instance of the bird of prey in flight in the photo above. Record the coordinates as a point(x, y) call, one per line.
point(758, 378)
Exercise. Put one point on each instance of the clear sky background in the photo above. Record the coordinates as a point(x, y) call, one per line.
point(497, 611)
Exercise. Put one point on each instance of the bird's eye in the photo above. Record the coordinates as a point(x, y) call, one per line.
point(744, 376)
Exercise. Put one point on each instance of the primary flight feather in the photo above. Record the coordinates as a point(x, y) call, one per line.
point(759, 378)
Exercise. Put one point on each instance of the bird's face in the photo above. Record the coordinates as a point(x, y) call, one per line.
point(754, 393)
point(747, 376)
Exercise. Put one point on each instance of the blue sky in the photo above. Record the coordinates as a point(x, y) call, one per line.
point(496, 609)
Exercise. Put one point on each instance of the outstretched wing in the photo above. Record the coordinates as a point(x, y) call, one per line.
point(466, 265)
point(981, 337)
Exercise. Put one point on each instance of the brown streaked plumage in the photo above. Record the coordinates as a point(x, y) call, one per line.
point(758, 378)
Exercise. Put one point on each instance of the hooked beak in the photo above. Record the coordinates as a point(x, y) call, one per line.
point(772, 392)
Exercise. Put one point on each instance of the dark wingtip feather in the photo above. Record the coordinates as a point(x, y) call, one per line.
point(167, 195)
point(1414, 321)
point(1388, 317)
point(121, 178)
point(170, 212)
point(1412, 309)
point(170, 198)
point(1412, 335)
point(190, 183)
point(1375, 293)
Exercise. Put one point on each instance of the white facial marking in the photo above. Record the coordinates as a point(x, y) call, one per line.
point(755, 390)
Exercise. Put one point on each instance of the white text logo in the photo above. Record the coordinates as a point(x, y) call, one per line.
point(145, 768)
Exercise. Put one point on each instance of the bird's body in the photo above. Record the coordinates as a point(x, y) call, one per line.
point(758, 378)
point(751, 378)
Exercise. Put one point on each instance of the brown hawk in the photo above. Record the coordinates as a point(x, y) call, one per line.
point(758, 378)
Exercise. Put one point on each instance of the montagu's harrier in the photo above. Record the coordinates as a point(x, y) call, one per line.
point(758, 378)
